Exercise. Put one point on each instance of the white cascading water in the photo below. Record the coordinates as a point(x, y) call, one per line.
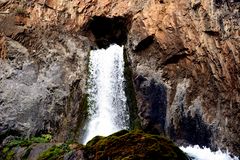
point(206, 154)
point(107, 100)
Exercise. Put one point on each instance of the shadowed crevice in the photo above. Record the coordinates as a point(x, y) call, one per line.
point(107, 31)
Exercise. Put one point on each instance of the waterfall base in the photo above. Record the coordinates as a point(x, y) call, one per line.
point(198, 153)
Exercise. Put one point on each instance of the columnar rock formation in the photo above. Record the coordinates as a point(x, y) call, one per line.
point(184, 55)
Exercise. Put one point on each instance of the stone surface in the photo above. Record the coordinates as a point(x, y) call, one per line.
point(188, 48)
point(37, 149)
point(120, 145)
point(41, 87)
point(133, 145)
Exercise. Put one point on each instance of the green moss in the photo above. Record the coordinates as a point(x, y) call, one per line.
point(7, 150)
point(20, 11)
point(27, 142)
point(10, 155)
point(43, 139)
point(123, 145)
point(134, 145)
point(84, 105)
point(75, 132)
point(122, 132)
point(130, 94)
point(55, 152)
point(83, 115)
point(94, 141)
point(18, 142)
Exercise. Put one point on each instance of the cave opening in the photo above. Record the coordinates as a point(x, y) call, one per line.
point(107, 31)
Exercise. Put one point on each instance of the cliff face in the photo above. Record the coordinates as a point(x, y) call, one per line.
point(42, 77)
point(192, 48)
point(184, 55)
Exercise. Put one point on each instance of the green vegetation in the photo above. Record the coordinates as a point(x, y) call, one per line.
point(42, 139)
point(7, 152)
point(130, 94)
point(55, 152)
point(83, 115)
point(123, 145)
point(82, 112)
point(134, 145)
point(10, 155)
point(20, 11)
point(84, 104)
point(19, 142)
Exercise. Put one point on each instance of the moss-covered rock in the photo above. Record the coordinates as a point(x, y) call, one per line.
point(123, 145)
point(130, 94)
point(134, 145)
point(8, 150)
point(55, 152)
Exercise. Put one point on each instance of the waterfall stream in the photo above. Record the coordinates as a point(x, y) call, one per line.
point(107, 100)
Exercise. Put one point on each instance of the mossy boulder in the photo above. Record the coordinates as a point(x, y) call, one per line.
point(8, 151)
point(134, 145)
point(123, 145)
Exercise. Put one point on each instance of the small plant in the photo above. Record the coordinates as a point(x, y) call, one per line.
point(20, 11)
point(43, 139)
point(10, 155)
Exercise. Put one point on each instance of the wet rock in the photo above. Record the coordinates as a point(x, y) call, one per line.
point(152, 109)
point(133, 145)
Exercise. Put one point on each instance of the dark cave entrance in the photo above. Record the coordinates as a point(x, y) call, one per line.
point(107, 31)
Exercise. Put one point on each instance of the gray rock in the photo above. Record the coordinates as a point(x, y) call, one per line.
point(74, 155)
point(34, 90)
point(37, 149)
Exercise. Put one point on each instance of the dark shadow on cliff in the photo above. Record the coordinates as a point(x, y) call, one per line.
point(144, 44)
point(191, 130)
point(154, 105)
point(5, 132)
point(107, 31)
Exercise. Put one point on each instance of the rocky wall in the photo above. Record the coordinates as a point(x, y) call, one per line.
point(184, 56)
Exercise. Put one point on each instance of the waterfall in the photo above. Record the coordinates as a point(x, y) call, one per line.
point(107, 100)
point(198, 153)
